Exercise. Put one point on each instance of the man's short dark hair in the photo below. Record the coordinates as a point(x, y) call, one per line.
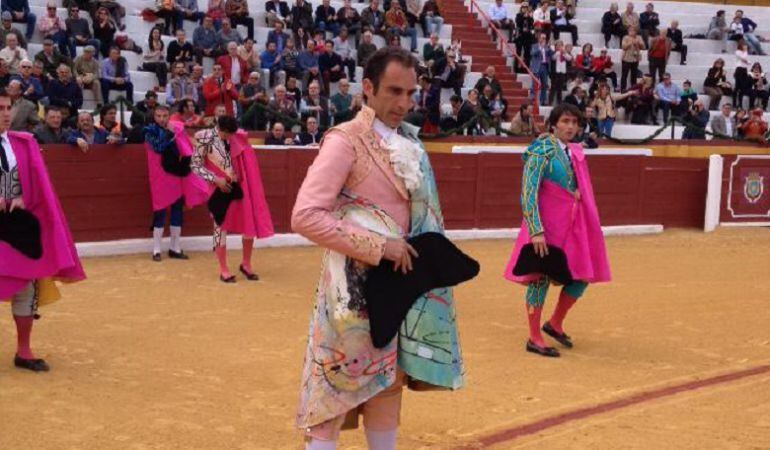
point(563, 109)
point(53, 108)
point(455, 99)
point(379, 61)
point(106, 108)
point(228, 124)
point(160, 107)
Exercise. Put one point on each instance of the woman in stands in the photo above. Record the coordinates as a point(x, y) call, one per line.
point(601, 68)
point(155, 58)
point(758, 86)
point(525, 25)
point(469, 112)
point(743, 83)
point(612, 25)
point(606, 111)
point(716, 84)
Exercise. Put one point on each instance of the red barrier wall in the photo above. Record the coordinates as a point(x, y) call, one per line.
point(745, 189)
point(105, 193)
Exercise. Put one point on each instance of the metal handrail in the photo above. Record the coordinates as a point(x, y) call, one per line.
point(504, 44)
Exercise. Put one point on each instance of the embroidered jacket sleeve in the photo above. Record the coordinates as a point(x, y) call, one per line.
point(536, 159)
point(204, 143)
point(313, 215)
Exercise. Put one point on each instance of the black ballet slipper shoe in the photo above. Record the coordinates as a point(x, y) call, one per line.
point(35, 365)
point(251, 276)
point(177, 255)
point(561, 338)
point(543, 351)
point(230, 279)
point(156, 257)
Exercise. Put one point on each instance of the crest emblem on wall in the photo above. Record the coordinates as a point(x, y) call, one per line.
point(753, 187)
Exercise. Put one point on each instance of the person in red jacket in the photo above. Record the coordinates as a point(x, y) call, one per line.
point(234, 68)
point(219, 90)
point(602, 67)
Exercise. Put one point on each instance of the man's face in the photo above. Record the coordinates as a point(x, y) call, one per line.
point(85, 123)
point(5, 114)
point(368, 38)
point(220, 111)
point(589, 113)
point(198, 71)
point(151, 102)
point(74, 13)
point(329, 48)
point(7, 24)
point(63, 74)
point(11, 41)
point(566, 127)
point(180, 35)
point(48, 48)
point(312, 125)
point(393, 98)
point(271, 47)
point(114, 54)
point(208, 22)
point(630, 7)
point(225, 25)
point(14, 89)
point(53, 119)
point(109, 116)
point(491, 71)
point(726, 110)
point(313, 90)
point(649, 7)
point(51, 11)
point(232, 49)
point(88, 56)
point(161, 117)
point(344, 87)
point(179, 70)
point(25, 69)
point(217, 71)
point(667, 80)
point(278, 131)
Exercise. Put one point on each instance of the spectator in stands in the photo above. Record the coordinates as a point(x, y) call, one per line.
point(632, 53)
point(560, 21)
point(398, 25)
point(248, 52)
point(216, 11)
point(657, 56)
point(51, 131)
point(315, 105)
point(642, 106)
point(86, 134)
point(373, 19)
point(277, 36)
point(348, 17)
point(238, 13)
point(52, 58)
point(300, 18)
point(31, 87)
point(689, 95)
point(186, 114)
point(293, 92)
point(523, 123)
point(723, 124)
point(754, 128)
point(412, 10)
point(205, 40)
point(450, 74)
point(108, 122)
point(605, 106)
point(630, 18)
point(154, 58)
point(180, 50)
point(331, 66)
point(741, 117)
point(270, 60)
point(115, 76)
point(166, 10)
point(78, 32)
point(64, 91)
point(311, 135)
point(339, 103)
point(427, 101)
point(716, 84)
point(104, 31)
point(668, 95)
point(577, 97)
point(366, 49)
point(718, 29)
point(187, 10)
point(743, 81)
point(289, 64)
point(589, 129)
point(542, 19)
point(281, 107)
point(20, 13)
point(326, 18)
point(490, 79)
point(344, 48)
point(612, 25)
point(234, 68)
point(219, 90)
point(430, 18)
point(674, 34)
point(23, 112)
point(251, 94)
point(6, 28)
point(748, 33)
point(584, 61)
point(13, 54)
point(308, 64)
point(197, 79)
point(470, 114)
point(180, 87)
point(492, 107)
point(758, 86)
point(277, 136)
point(500, 20)
point(560, 60)
point(37, 72)
point(696, 117)
point(86, 70)
point(228, 34)
point(649, 21)
point(540, 62)
point(432, 51)
point(53, 27)
point(276, 11)
point(735, 32)
point(146, 109)
point(525, 36)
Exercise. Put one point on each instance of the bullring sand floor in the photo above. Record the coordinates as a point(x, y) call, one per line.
point(148, 355)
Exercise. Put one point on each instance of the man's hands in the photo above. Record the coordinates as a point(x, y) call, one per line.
point(222, 184)
point(401, 253)
point(83, 145)
point(538, 242)
point(16, 203)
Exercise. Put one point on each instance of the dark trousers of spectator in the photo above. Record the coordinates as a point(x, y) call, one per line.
point(411, 32)
point(763, 95)
point(627, 68)
point(73, 45)
point(612, 76)
point(558, 83)
point(159, 216)
point(322, 26)
point(646, 36)
point(743, 86)
point(667, 108)
point(199, 55)
point(30, 19)
point(682, 49)
point(355, 30)
point(60, 39)
point(169, 17)
point(501, 25)
point(572, 29)
point(657, 65)
point(523, 48)
point(617, 31)
point(309, 76)
point(192, 17)
point(332, 77)
point(643, 115)
point(108, 86)
point(160, 69)
point(350, 65)
point(246, 21)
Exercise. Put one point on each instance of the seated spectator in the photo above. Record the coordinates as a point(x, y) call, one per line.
point(31, 87)
point(104, 31)
point(108, 122)
point(470, 113)
point(450, 74)
point(6, 28)
point(348, 17)
point(155, 60)
point(577, 97)
point(276, 11)
point(602, 68)
point(289, 63)
point(248, 52)
point(606, 111)
point(498, 14)
point(643, 106)
point(373, 19)
point(234, 68)
point(311, 135)
point(78, 32)
point(293, 92)
point(584, 61)
point(51, 131)
point(277, 136)
point(427, 101)
point(326, 18)
point(51, 26)
point(758, 86)
point(186, 114)
point(216, 12)
point(180, 50)
point(674, 34)
point(20, 13)
point(308, 64)
point(560, 21)
point(278, 37)
point(252, 93)
point(197, 79)
point(493, 107)
point(718, 29)
point(630, 18)
point(23, 112)
point(668, 95)
point(331, 66)
point(749, 26)
point(280, 107)
point(716, 84)
point(542, 19)
point(315, 105)
point(270, 59)
point(115, 76)
point(344, 48)
point(688, 93)
point(180, 87)
point(755, 127)
point(432, 51)
point(735, 31)
point(187, 10)
point(398, 25)
point(341, 102)
point(13, 54)
point(145, 109)
point(114, 9)
point(366, 49)
point(238, 13)
point(301, 18)
point(51, 58)
point(37, 73)
point(86, 134)
point(219, 90)
point(696, 119)
point(206, 41)
point(723, 124)
point(589, 129)
point(87, 71)
point(649, 21)
point(430, 18)
point(228, 34)
point(64, 91)
point(523, 123)
point(449, 114)
point(741, 117)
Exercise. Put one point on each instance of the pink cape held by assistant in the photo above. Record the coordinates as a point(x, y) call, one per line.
point(166, 188)
point(571, 223)
point(249, 216)
point(59, 259)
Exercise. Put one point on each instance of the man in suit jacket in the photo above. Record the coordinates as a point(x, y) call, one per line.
point(539, 62)
point(560, 21)
point(239, 75)
point(23, 112)
point(724, 124)
point(219, 90)
point(277, 36)
point(276, 11)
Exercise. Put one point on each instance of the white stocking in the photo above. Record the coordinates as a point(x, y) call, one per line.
point(176, 236)
point(317, 444)
point(157, 236)
point(381, 440)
